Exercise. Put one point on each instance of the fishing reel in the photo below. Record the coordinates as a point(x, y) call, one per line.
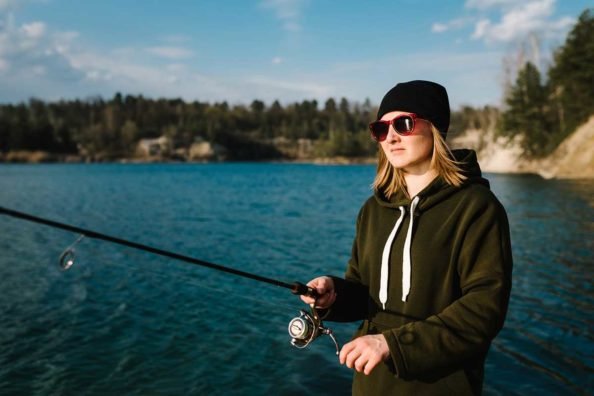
point(305, 328)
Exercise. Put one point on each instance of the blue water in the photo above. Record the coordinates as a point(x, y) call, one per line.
point(127, 322)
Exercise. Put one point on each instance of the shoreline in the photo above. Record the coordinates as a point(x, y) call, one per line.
point(44, 157)
point(326, 161)
point(496, 158)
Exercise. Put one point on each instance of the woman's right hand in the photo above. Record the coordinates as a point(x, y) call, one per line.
point(324, 285)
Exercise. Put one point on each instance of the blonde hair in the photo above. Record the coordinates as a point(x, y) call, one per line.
point(389, 180)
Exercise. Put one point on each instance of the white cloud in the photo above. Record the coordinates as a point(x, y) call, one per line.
point(176, 67)
point(562, 24)
point(170, 52)
point(34, 30)
point(8, 4)
point(286, 88)
point(31, 50)
point(98, 66)
point(93, 75)
point(517, 20)
point(439, 27)
point(485, 4)
point(287, 11)
point(481, 28)
point(277, 60)
point(458, 23)
point(520, 20)
point(38, 70)
point(176, 38)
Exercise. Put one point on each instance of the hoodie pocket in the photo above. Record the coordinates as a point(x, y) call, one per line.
point(458, 384)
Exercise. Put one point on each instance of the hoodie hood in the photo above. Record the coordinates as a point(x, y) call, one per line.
point(437, 191)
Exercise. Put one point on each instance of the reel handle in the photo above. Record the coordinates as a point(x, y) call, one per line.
point(304, 290)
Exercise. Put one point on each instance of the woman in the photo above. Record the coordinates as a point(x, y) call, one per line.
point(430, 272)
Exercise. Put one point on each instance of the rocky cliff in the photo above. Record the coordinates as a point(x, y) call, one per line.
point(573, 159)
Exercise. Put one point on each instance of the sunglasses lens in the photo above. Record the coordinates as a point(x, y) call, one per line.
point(379, 130)
point(403, 125)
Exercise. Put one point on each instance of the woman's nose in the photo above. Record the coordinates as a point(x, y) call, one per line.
point(392, 134)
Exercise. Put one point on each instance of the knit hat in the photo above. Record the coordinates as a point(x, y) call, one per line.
point(427, 99)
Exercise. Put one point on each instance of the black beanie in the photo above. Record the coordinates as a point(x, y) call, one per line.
point(426, 99)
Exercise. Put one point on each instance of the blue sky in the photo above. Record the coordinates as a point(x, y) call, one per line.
point(290, 50)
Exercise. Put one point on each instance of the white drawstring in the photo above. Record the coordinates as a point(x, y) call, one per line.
point(406, 262)
point(383, 293)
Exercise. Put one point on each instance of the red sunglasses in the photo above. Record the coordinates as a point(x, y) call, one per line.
point(403, 124)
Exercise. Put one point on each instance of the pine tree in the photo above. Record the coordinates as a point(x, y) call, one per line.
point(572, 76)
point(526, 112)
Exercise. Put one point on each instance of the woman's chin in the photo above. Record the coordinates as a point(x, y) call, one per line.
point(398, 161)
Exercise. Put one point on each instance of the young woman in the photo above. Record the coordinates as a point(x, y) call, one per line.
point(430, 272)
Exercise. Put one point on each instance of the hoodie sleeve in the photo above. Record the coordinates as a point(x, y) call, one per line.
point(465, 328)
point(351, 295)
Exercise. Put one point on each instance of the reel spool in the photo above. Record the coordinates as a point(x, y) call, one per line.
point(305, 328)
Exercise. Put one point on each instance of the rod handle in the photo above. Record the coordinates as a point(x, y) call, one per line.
point(304, 290)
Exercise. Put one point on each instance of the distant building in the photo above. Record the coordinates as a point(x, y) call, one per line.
point(300, 149)
point(202, 150)
point(154, 147)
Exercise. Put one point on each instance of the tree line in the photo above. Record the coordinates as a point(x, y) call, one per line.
point(112, 128)
point(109, 129)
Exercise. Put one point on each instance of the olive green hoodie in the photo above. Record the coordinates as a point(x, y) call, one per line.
point(439, 317)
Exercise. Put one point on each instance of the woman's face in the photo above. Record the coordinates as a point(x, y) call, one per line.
point(411, 153)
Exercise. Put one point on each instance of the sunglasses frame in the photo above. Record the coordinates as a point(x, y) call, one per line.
point(391, 122)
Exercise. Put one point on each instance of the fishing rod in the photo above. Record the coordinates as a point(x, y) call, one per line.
point(295, 287)
point(303, 329)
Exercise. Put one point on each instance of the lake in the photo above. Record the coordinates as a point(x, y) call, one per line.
point(121, 321)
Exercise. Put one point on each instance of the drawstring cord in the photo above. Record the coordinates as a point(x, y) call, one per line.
point(383, 293)
point(406, 257)
point(406, 260)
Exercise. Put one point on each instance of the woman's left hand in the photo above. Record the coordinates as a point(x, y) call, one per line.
point(364, 353)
